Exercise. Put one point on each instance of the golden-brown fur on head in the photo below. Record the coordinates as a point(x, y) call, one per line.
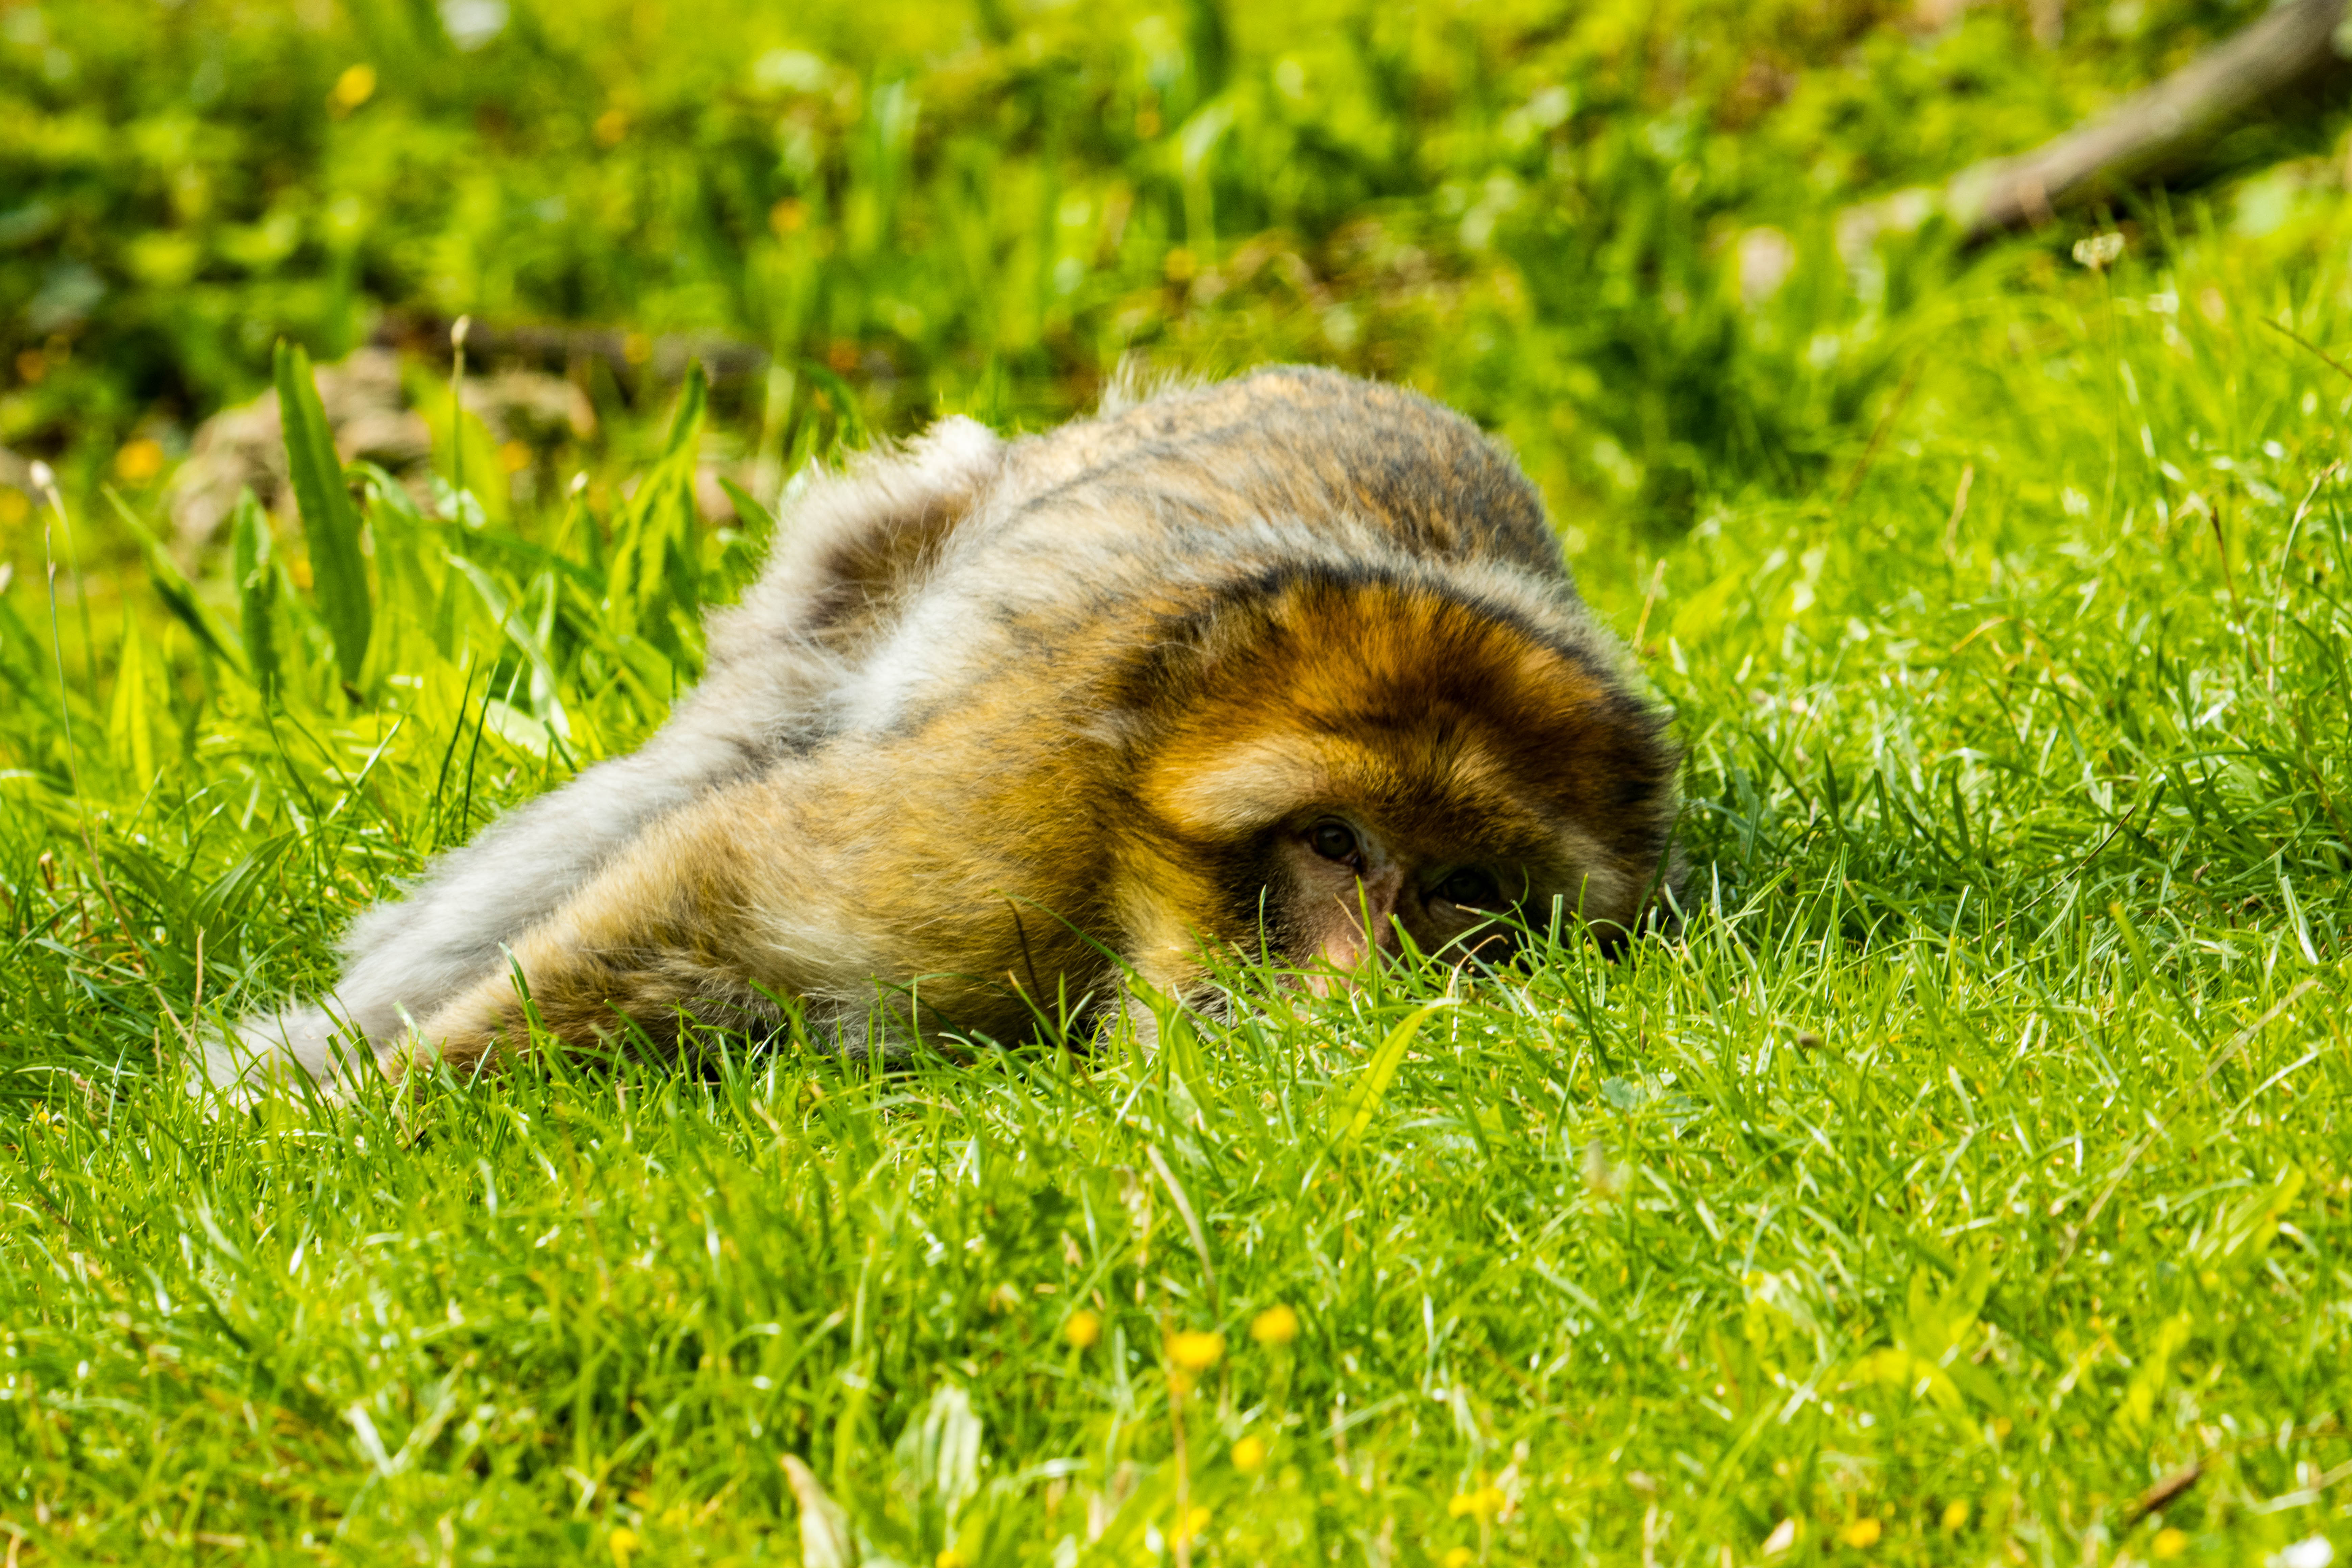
point(1292, 658)
point(1467, 734)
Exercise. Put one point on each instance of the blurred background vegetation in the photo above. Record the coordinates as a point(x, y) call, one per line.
point(1608, 230)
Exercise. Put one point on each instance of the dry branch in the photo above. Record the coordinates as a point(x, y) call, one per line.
point(2158, 131)
point(629, 355)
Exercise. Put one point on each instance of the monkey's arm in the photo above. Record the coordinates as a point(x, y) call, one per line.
point(813, 885)
point(659, 935)
point(408, 958)
point(854, 544)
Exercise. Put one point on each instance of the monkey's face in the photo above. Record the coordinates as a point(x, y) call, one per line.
point(1355, 764)
point(1343, 888)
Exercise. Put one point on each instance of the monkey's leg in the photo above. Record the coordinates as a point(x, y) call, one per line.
point(854, 544)
point(411, 955)
point(661, 934)
point(742, 897)
point(628, 998)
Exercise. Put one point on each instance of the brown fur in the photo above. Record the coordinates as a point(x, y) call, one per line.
point(1087, 698)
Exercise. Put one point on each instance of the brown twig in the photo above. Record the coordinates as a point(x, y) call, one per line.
point(2156, 132)
point(2165, 1491)
point(662, 357)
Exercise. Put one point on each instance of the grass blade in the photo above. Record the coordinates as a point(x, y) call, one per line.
point(329, 522)
point(1381, 1069)
point(170, 585)
point(256, 590)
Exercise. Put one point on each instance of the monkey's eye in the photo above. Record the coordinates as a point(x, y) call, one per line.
point(1472, 890)
point(1332, 841)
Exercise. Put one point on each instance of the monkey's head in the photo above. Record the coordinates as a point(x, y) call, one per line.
point(1348, 760)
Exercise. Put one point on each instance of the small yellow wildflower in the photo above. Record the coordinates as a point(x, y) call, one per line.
point(610, 127)
point(1083, 1329)
point(1278, 1325)
point(1479, 1504)
point(1249, 1453)
point(1956, 1515)
point(354, 87)
point(950, 1557)
point(623, 1541)
point(139, 461)
point(1194, 1523)
point(2168, 1543)
point(1460, 1557)
point(1195, 1352)
point(1862, 1532)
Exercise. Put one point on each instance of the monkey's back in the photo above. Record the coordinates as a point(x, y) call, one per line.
point(1090, 530)
point(1297, 443)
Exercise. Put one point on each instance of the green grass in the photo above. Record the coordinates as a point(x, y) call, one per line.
point(1974, 1160)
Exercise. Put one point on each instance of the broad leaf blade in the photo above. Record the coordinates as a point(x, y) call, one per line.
point(329, 522)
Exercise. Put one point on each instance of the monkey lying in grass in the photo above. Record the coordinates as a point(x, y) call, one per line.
point(1288, 667)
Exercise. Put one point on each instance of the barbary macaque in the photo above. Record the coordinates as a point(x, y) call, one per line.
point(1287, 667)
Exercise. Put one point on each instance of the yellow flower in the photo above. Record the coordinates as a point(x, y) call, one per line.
point(1195, 1352)
point(1193, 1523)
point(1460, 1557)
point(2168, 1543)
point(1249, 1453)
point(610, 127)
point(623, 1541)
point(950, 1557)
point(1083, 1329)
point(1861, 1532)
point(354, 87)
point(139, 461)
point(1278, 1325)
point(1956, 1514)
point(1485, 1500)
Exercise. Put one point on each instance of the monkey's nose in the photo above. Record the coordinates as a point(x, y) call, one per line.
point(1369, 924)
